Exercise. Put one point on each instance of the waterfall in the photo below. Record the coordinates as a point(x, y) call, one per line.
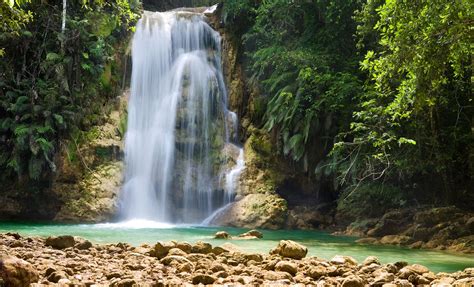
point(180, 134)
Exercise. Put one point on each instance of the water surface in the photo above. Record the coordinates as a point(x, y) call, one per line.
point(319, 243)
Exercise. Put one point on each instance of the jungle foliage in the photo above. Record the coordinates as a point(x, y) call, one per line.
point(53, 84)
point(370, 92)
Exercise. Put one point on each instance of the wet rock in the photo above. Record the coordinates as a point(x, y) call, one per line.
point(16, 272)
point(60, 242)
point(286, 266)
point(222, 235)
point(290, 249)
point(251, 234)
point(203, 279)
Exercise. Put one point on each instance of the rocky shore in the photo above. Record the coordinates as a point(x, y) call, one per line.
point(444, 228)
point(72, 261)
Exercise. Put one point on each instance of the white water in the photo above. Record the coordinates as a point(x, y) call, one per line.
point(177, 123)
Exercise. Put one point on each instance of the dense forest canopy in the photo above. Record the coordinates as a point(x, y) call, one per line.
point(54, 79)
point(374, 94)
point(377, 94)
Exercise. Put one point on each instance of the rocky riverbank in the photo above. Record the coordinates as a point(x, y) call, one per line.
point(72, 261)
point(443, 228)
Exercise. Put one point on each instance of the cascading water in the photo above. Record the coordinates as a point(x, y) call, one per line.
point(178, 123)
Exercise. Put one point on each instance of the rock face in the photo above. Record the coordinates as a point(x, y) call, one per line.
point(89, 184)
point(290, 249)
point(16, 272)
point(255, 211)
point(444, 228)
point(30, 261)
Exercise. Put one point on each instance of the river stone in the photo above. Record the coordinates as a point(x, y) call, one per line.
point(417, 268)
point(161, 249)
point(316, 272)
point(353, 281)
point(276, 275)
point(16, 272)
point(383, 277)
point(82, 244)
point(201, 247)
point(216, 267)
point(177, 251)
point(186, 247)
point(290, 249)
point(342, 260)
point(60, 242)
point(203, 279)
point(174, 259)
point(126, 283)
point(221, 235)
point(286, 266)
point(371, 260)
point(56, 276)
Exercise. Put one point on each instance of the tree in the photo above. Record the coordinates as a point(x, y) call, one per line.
point(414, 120)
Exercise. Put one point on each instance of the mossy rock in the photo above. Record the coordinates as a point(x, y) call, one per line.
point(255, 211)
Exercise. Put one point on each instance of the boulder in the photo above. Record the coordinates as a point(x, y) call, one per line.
point(186, 247)
point(290, 249)
point(251, 234)
point(201, 247)
point(60, 242)
point(222, 235)
point(316, 272)
point(161, 249)
point(417, 268)
point(82, 244)
point(17, 272)
point(286, 266)
point(371, 260)
point(255, 211)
